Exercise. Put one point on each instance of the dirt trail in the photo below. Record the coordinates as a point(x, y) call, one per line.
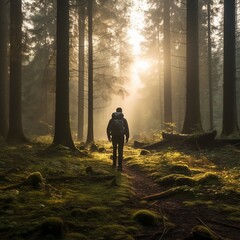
point(143, 186)
point(184, 218)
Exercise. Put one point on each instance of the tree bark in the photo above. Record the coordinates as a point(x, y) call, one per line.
point(210, 67)
point(90, 137)
point(167, 65)
point(81, 26)
point(229, 75)
point(62, 134)
point(3, 70)
point(192, 122)
point(15, 131)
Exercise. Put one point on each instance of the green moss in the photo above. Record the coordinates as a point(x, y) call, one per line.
point(232, 210)
point(176, 180)
point(180, 169)
point(197, 202)
point(35, 179)
point(99, 213)
point(78, 212)
point(202, 233)
point(75, 236)
point(52, 226)
point(68, 198)
point(208, 178)
point(234, 218)
point(146, 217)
point(113, 232)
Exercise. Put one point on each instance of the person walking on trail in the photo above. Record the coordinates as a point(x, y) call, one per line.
point(116, 130)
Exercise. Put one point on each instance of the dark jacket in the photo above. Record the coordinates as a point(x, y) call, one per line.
point(117, 115)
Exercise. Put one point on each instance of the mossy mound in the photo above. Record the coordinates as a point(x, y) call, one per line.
point(78, 212)
point(146, 217)
point(202, 233)
point(93, 147)
point(35, 179)
point(53, 226)
point(75, 236)
point(180, 169)
point(102, 150)
point(98, 212)
point(176, 180)
point(208, 178)
point(113, 232)
point(180, 180)
point(144, 152)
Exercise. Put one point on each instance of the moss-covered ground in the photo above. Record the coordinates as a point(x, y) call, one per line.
point(85, 198)
point(204, 183)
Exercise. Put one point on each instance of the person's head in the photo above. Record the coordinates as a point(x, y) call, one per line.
point(119, 109)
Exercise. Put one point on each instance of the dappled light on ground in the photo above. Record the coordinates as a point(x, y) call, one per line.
point(165, 193)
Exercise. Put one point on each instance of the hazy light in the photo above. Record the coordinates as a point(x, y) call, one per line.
point(135, 39)
point(142, 65)
point(138, 66)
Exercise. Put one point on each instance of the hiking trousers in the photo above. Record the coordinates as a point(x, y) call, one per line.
point(118, 143)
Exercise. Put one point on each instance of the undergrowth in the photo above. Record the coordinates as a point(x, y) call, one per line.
point(81, 205)
point(211, 175)
point(98, 205)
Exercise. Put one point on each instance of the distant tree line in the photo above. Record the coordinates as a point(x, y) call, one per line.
point(195, 47)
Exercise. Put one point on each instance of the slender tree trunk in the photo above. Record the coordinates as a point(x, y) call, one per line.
point(81, 26)
point(192, 122)
point(15, 132)
point(229, 78)
point(159, 69)
point(3, 69)
point(167, 65)
point(210, 67)
point(90, 137)
point(62, 133)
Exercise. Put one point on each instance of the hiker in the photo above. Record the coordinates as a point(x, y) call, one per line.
point(116, 129)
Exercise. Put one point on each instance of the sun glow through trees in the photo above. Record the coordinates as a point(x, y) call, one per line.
point(138, 64)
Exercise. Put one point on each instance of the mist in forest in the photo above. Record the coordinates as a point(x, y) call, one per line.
point(139, 58)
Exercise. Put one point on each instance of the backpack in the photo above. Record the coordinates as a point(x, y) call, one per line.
point(118, 127)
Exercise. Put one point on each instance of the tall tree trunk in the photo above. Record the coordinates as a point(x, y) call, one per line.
point(90, 137)
point(3, 70)
point(15, 131)
point(167, 65)
point(161, 118)
point(62, 133)
point(210, 67)
point(81, 27)
point(229, 78)
point(192, 122)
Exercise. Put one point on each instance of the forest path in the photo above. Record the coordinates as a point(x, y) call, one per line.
point(172, 209)
point(183, 217)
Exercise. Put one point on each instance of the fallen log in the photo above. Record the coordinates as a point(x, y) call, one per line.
point(200, 138)
point(168, 193)
point(195, 140)
point(138, 144)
